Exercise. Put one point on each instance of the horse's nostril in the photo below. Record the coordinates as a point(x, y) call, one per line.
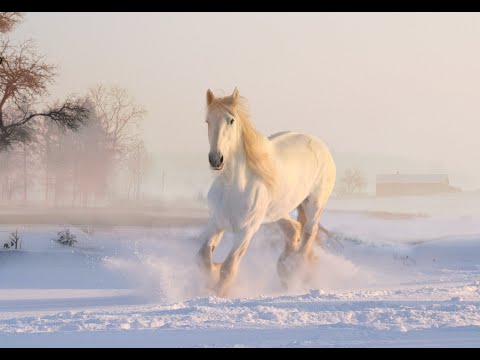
point(215, 159)
point(211, 158)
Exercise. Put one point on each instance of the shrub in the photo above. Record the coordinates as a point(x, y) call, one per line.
point(66, 238)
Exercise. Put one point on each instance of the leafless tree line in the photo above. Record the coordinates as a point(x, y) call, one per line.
point(75, 149)
point(88, 166)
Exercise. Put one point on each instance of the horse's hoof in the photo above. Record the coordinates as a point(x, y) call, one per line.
point(284, 284)
point(210, 274)
point(287, 267)
point(221, 291)
point(313, 259)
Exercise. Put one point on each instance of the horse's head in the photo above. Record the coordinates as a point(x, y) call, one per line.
point(223, 128)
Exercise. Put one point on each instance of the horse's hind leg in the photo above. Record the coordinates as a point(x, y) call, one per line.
point(301, 216)
point(313, 207)
point(292, 230)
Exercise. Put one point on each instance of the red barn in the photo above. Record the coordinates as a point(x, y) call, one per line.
point(420, 184)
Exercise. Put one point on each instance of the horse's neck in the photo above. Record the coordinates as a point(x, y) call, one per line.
point(237, 172)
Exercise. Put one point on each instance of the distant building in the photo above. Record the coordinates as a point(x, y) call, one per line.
point(420, 184)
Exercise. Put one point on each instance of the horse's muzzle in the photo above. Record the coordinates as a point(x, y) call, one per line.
point(216, 160)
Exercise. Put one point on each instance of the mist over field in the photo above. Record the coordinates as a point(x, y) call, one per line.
point(386, 91)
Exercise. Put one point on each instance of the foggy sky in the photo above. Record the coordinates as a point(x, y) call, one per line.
point(379, 84)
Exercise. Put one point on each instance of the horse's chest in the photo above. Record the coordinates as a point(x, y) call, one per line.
point(235, 209)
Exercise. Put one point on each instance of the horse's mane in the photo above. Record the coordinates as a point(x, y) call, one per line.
point(254, 143)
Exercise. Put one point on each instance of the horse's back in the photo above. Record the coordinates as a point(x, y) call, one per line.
point(294, 141)
point(288, 135)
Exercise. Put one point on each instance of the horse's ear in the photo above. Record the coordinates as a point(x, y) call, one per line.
point(235, 93)
point(210, 97)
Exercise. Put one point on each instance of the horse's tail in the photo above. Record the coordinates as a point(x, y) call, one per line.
point(328, 233)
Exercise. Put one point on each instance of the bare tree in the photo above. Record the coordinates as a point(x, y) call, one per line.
point(24, 79)
point(120, 116)
point(56, 152)
point(352, 181)
point(138, 163)
point(89, 161)
point(8, 20)
point(9, 174)
point(43, 140)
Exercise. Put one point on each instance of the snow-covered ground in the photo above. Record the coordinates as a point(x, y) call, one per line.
point(395, 282)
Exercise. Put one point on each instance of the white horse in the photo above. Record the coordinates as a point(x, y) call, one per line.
point(261, 180)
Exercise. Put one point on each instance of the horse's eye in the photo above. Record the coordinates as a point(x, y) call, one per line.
point(231, 121)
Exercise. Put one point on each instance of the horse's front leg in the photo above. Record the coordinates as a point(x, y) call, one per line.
point(211, 236)
point(229, 268)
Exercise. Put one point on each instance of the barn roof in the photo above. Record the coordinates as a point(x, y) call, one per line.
point(412, 178)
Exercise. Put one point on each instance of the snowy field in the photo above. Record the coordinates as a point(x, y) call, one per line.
point(412, 281)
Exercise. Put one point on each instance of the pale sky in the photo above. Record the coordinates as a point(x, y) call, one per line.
point(372, 84)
